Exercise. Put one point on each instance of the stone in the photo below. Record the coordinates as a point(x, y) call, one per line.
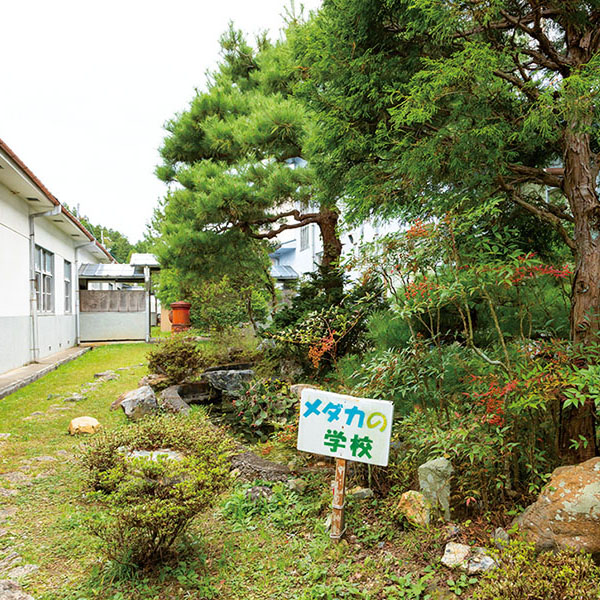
point(251, 467)
point(106, 376)
point(22, 571)
point(567, 512)
point(154, 455)
point(415, 508)
point(361, 493)
point(259, 492)
point(298, 388)
point(170, 400)
point(15, 477)
point(9, 561)
point(3, 532)
point(8, 493)
point(230, 381)
point(297, 485)
point(474, 561)
point(44, 458)
point(139, 403)
point(4, 436)
point(500, 538)
point(75, 398)
point(83, 425)
point(7, 512)
point(10, 590)
point(434, 483)
point(154, 380)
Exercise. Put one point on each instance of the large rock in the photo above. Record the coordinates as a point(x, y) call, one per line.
point(434, 482)
point(567, 512)
point(83, 425)
point(10, 590)
point(415, 508)
point(231, 382)
point(154, 380)
point(170, 400)
point(138, 403)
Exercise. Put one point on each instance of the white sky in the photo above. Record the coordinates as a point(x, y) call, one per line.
point(85, 88)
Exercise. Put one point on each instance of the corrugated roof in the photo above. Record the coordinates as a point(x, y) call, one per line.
point(144, 259)
point(283, 272)
point(112, 271)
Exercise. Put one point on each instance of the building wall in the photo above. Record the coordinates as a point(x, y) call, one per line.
point(56, 330)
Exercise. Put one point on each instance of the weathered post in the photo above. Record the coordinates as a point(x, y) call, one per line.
point(339, 500)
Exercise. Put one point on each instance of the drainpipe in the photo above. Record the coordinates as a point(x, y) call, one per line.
point(76, 290)
point(35, 351)
point(147, 303)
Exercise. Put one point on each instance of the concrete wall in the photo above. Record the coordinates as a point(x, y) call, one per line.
point(56, 330)
point(111, 326)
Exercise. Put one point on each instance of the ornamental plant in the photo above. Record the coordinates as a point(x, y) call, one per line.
point(147, 504)
point(266, 405)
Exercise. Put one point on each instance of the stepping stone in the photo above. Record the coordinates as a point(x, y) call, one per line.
point(9, 590)
point(4, 436)
point(5, 513)
point(7, 492)
point(75, 398)
point(10, 561)
point(15, 477)
point(22, 571)
point(44, 458)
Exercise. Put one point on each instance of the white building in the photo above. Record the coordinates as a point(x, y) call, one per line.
point(41, 247)
point(300, 250)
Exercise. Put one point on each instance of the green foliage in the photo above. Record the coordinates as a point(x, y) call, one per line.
point(177, 357)
point(326, 324)
point(564, 575)
point(147, 504)
point(266, 405)
point(286, 510)
point(219, 305)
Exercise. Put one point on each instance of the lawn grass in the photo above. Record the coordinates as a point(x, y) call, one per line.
point(235, 551)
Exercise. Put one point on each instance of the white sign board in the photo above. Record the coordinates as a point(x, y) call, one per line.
point(341, 426)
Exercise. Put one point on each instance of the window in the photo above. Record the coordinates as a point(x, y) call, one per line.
point(304, 237)
point(68, 286)
point(44, 279)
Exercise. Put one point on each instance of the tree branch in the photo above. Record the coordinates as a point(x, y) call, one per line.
point(537, 175)
point(531, 92)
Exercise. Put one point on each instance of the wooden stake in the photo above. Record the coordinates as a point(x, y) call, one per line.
point(339, 498)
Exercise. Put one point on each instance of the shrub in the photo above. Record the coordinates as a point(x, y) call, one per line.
point(148, 504)
point(177, 357)
point(265, 405)
point(566, 575)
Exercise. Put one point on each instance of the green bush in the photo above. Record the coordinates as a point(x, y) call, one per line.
point(146, 505)
point(177, 357)
point(566, 575)
point(265, 405)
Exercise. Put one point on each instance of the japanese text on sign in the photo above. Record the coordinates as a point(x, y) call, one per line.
point(356, 429)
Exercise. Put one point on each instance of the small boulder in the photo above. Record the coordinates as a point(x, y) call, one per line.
point(298, 388)
point(154, 380)
point(434, 482)
point(567, 512)
point(474, 561)
point(75, 398)
point(138, 403)
point(259, 492)
point(171, 401)
point(361, 493)
point(297, 485)
point(415, 508)
point(83, 425)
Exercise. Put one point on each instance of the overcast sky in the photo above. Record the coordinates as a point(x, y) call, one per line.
point(85, 88)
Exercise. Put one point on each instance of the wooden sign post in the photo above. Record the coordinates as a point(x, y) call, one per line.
point(345, 428)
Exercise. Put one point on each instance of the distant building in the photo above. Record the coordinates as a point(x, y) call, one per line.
point(41, 247)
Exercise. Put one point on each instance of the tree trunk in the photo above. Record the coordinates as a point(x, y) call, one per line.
point(580, 190)
point(332, 247)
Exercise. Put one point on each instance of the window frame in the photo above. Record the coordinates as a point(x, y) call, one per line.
point(44, 269)
point(304, 237)
point(68, 266)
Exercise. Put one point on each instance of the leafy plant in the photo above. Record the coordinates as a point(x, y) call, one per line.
point(265, 405)
point(460, 584)
point(522, 574)
point(176, 357)
point(148, 503)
